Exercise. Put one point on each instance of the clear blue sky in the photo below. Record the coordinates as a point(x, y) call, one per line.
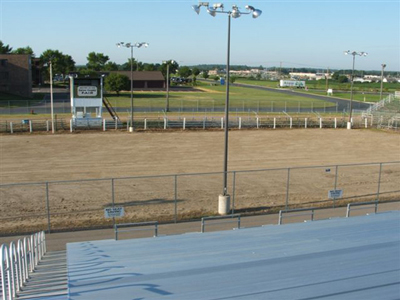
point(298, 33)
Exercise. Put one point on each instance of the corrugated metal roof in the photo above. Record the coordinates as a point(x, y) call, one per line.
point(348, 258)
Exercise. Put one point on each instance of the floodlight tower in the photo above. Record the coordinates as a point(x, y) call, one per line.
point(168, 62)
point(131, 45)
point(383, 68)
point(218, 8)
point(354, 53)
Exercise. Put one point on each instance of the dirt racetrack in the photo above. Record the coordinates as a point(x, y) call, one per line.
point(45, 157)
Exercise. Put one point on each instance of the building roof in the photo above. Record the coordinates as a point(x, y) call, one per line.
point(142, 75)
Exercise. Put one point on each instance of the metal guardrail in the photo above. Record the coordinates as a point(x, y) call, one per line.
point(234, 216)
point(281, 212)
point(18, 260)
point(141, 224)
point(375, 203)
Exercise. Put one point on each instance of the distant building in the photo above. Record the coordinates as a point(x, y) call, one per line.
point(145, 79)
point(16, 74)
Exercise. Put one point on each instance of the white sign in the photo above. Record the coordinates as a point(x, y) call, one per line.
point(112, 212)
point(87, 91)
point(292, 83)
point(335, 194)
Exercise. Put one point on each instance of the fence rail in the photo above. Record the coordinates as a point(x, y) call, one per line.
point(79, 204)
point(199, 123)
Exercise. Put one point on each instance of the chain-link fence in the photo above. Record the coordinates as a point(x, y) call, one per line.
point(63, 106)
point(72, 205)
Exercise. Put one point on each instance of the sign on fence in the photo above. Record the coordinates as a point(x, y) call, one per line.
point(112, 212)
point(335, 194)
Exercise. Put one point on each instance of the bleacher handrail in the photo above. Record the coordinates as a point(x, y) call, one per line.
point(140, 224)
point(17, 260)
point(5, 272)
point(233, 216)
point(281, 212)
point(375, 203)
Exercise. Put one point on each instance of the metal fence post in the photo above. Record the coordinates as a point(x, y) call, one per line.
point(336, 176)
point(233, 192)
point(113, 197)
point(379, 182)
point(48, 208)
point(176, 199)
point(287, 189)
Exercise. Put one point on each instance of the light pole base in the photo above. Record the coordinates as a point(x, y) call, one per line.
point(224, 204)
point(348, 125)
point(130, 129)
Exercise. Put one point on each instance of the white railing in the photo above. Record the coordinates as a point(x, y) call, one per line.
point(18, 260)
point(379, 105)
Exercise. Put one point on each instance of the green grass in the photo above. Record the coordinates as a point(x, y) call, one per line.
point(373, 87)
point(358, 96)
point(368, 92)
point(214, 96)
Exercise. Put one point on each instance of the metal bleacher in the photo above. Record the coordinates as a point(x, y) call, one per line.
point(343, 258)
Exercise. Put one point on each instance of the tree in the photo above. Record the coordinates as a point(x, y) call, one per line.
point(116, 82)
point(149, 67)
point(85, 72)
point(26, 50)
point(127, 66)
point(5, 49)
point(96, 61)
point(173, 66)
point(61, 63)
point(205, 74)
point(195, 71)
point(110, 66)
point(184, 72)
point(342, 79)
point(335, 76)
point(232, 79)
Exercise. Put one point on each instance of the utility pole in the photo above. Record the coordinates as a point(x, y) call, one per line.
point(327, 79)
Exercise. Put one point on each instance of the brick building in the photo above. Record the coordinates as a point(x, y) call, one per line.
point(144, 79)
point(16, 74)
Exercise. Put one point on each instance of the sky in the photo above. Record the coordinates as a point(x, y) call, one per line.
point(295, 33)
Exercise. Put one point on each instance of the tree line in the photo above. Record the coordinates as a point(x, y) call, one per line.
point(96, 62)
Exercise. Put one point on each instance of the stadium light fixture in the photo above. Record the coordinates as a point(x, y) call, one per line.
point(233, 13)
point(353, 53)
point(131, 46)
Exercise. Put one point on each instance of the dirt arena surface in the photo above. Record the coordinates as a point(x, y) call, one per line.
point(44, 157)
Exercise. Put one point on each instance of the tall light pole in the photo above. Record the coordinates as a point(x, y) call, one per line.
point(167, 100)
point(383, 67)
point(51, 97)
point(131, 45)
point(224, 199)
point(354, 53)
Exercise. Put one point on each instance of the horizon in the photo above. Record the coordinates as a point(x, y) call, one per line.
point(300, 34)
